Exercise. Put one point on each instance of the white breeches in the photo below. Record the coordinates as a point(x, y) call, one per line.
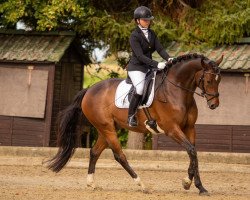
point(138, 80)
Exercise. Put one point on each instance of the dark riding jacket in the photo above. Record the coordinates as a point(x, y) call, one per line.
point(142, 49)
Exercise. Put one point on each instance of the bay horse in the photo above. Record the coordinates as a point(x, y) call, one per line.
point(174, 108)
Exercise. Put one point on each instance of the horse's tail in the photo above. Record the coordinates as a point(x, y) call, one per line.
point(66, 133)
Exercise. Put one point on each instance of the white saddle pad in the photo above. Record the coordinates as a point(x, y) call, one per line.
point(121, 95)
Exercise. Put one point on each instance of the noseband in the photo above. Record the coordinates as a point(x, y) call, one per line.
point(204, 92)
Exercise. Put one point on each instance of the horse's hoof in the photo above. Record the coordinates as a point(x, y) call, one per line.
point(91, 186)
point(204, 193)
point(140, 183)
point(186, 183)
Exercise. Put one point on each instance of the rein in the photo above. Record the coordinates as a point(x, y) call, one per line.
point(189, 90)
point(201, 80)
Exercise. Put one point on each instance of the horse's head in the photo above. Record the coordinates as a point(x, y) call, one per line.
point(208, 81)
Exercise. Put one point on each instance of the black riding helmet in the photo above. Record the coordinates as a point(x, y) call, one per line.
point(143, 12)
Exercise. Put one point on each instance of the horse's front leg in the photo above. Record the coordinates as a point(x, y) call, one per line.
point(187, 181)
point(193, 171)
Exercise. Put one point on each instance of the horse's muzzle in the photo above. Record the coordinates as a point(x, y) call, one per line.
point(214, 103)
point(213, 106)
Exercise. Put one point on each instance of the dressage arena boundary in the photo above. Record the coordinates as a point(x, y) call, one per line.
point(141, 155)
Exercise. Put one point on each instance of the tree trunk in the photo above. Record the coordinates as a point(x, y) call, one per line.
point(135, 140)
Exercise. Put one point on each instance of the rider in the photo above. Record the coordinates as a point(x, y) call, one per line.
point(143, 42)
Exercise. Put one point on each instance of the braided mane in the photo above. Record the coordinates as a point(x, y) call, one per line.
point(190, 56)
point(184, 57)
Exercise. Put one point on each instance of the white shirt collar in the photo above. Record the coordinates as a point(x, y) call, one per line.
point(145, 31)
point(142, 28)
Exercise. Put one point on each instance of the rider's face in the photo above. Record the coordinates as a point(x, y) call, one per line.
point(144, 23)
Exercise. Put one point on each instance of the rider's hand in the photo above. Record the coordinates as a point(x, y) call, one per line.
point(170, 59)
point(161, 65)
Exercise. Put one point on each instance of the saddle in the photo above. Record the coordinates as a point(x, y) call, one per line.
point(124, 93)
point(150, 123)
point(147, 87)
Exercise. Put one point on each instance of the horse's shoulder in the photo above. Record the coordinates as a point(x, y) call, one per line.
point(192, 109)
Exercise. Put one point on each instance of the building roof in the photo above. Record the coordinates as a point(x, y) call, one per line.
point(34, 46)
point(236, 56)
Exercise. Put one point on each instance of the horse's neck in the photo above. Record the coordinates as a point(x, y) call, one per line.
point(180, 76)
point(184, 73)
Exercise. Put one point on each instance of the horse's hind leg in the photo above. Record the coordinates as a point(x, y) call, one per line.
point(95, 153)
point(121, 158)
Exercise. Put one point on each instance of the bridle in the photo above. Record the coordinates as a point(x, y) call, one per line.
point(203, 93)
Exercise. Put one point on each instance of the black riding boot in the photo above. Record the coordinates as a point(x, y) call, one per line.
point(134, 104)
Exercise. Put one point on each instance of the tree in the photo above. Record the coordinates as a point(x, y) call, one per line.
point(135, 140)
point(109, 22)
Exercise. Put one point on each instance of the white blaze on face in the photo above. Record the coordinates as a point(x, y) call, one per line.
point(216, 77)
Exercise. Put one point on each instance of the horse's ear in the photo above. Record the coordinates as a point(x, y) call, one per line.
point(204, 65)
point(219, 60)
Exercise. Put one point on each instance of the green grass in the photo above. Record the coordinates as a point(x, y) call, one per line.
point(89, 81)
